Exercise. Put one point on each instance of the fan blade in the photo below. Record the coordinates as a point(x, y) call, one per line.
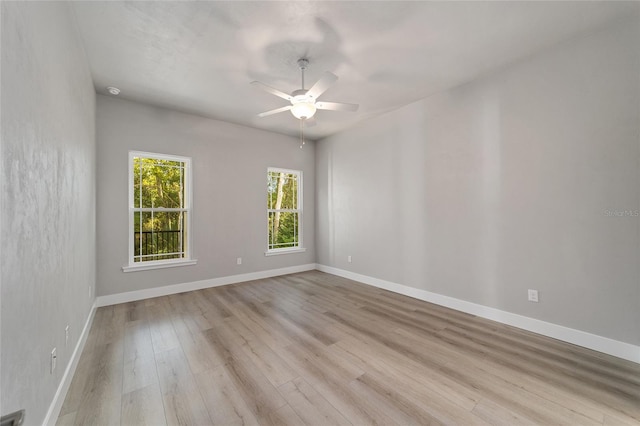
point(336, 106)
point(271, 90)
point(322, 85)
point(274, 111)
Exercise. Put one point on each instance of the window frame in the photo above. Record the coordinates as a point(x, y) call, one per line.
point(187, 208)
point(299, 210)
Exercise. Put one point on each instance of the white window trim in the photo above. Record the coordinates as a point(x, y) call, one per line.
point(288, 250)
point(188, 207)
point(300, 248)
point(169, 263)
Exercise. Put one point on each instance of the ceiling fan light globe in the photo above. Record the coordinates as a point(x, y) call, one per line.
point(302, 110)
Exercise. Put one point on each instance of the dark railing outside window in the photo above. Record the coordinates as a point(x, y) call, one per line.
point(159, 245)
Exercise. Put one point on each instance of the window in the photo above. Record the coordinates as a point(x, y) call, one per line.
point(159, 211)
point(284, 211)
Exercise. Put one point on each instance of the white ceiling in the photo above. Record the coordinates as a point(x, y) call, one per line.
point(199, 57)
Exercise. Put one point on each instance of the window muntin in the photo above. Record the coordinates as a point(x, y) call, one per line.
point(159, 209)
point(284, 210)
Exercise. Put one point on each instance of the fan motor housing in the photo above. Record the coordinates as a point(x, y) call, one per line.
point(300, 96)
point(299, 92)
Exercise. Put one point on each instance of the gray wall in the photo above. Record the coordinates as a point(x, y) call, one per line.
point(229, 191)
point(48, 200)
point(501, 185)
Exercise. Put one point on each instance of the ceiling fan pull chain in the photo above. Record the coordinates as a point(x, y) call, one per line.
point(302, 132)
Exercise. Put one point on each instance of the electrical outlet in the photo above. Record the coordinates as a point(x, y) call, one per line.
point(533, 295)
point(239, 261)
point(66, 335)
point(54, 358)
point(349, 259)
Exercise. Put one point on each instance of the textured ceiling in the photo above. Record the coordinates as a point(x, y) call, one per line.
point(199, 57)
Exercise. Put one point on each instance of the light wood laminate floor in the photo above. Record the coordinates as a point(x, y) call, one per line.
point(317, 349)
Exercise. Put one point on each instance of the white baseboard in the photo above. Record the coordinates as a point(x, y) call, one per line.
point(58, 399)
point(591, 341)
point(131, 296)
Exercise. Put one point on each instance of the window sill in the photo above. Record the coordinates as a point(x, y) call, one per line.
point(160, 265)
point(285, 251)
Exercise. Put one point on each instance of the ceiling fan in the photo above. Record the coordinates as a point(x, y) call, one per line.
point(304, 102)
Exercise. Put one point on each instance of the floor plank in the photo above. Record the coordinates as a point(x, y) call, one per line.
point(310, 405)
point(261, 396)
point(182, 400)
point(143, 407)
point(317, 349)
point(224, 402)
